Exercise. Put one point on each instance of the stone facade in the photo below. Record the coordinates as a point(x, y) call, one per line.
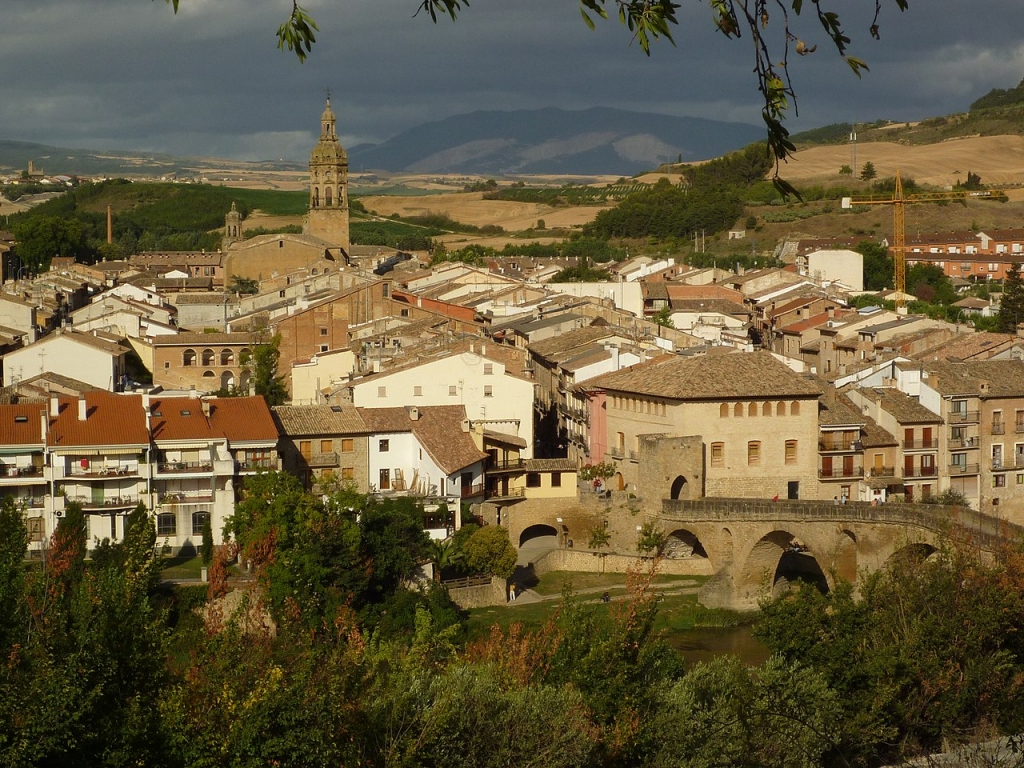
point(328, 186)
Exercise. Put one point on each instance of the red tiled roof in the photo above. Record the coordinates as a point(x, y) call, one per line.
point(242, 419)
point(16, 432)
point(110, 419)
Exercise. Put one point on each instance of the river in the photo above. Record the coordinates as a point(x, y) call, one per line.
point(705, 643)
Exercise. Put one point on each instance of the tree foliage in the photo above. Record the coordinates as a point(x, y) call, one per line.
point(1011, 304)
point(489, 551)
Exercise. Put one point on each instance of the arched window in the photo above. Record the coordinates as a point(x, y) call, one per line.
point(227, 381)
point(208, 357)
point(780, 409)
point(752, 409)
point(227, 357)
point(737, 410)
point(245, 356)
point(794, 408)
point(188, 357)
point(723, 411)
point(316, 197)
point(209, 375)
point(327, 197)
point(198, 521)
point(766, 409)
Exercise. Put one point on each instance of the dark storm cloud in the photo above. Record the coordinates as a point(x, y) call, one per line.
point(129, 74)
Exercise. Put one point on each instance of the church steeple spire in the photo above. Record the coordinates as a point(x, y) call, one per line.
point(328, 123)
point(328, 184)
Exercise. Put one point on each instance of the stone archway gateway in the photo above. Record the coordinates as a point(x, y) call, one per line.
point(536, 532)
point(677, 487)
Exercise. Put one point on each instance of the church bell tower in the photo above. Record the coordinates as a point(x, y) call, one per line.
point(328, 185)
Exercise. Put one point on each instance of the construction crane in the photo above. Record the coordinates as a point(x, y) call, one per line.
point(898, 200)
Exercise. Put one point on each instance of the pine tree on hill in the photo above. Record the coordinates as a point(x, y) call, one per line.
point(1011, 308)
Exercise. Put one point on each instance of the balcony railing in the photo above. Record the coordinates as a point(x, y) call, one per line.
point(964, 469)
point(10, 472)
point(94, 471)
point(1005, 465)
point(327, 459)
point(506, 465)
point(931, 471)
point(883, 471)
point(469, 491)
point(1019, 427)
point(257, 465)
point(964, 416)
point(178, 467)
point(31, 502)
point(920, 445)
point(110, 502)
point(999, 429)
point(634, 455)
point(839, 445)
point(964, 442)
point(840, 472)
point(510, 493)
point(186, 497)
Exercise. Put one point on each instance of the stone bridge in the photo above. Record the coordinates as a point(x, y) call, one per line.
point(755, 546)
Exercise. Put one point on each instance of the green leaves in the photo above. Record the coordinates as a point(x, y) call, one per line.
point(297, 32)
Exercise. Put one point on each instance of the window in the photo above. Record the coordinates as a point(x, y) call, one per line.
point(488, 369)
point(382, 391)
point(36, 529)
point(325, 347)
point(166, 524)
point(453, 391)
point(188, 357)
point(766, 409)
point(326, 446)
point(403, 312)
point(386, 288)
point(385, 479)
point(723, 411)
point(791, 451)
point(926, 491)
point(998, 481)
point(737, 410)
point(348, 473)
point(780, 409)
point(323, 331)
point(1020, 478)
point(166, 366)
point(620, 441)
point(754, 452)
point(752, 409)
point(384, 446)
point(533, 479)
point(556, 479)
point(794, 408)
point(488, 390)
point(198, 521)
point(347, 445)
point(718, 454)
point(417, 391)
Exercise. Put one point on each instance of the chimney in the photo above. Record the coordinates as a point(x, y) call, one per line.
point(414, 413)
point(110, 226)
point(206, 408)
point(82, 408)
point(54, 406)
point(465, 425)
point(471, 347)
point(192, 394)
point(483, 350)
point(44, 424)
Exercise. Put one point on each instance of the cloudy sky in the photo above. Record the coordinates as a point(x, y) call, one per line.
point(129, 74)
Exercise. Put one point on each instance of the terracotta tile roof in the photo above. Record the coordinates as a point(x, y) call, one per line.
point(438, 429)
point(967, 346)
point(20, 424)
point(712, 377)
point(550, 465)
point(710, 291)
point(181, 418)
point(243, 419)
point(111, 419)
point(905, 409)
point(805, 325)
point(1001, 378)
point(565, 346)
point(319, 420)
point(204, 339)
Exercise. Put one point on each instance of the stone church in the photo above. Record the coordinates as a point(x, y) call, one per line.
point(325, 230)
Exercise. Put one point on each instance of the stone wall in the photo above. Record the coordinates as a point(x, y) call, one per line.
point(482, 596)
point(588, 561)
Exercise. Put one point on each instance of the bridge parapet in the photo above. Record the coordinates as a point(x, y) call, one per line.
point(987, 531)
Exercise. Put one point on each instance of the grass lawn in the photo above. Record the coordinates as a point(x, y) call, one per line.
point(676, 613)
point(182, 568)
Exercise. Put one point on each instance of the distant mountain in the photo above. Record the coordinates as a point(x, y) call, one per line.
point(15, 156)
point(552, 141)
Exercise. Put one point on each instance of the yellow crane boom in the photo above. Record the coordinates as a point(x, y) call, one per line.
point(898, 202)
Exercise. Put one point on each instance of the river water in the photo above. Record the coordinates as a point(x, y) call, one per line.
point(704, 644)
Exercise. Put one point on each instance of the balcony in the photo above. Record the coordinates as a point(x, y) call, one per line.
point(1001, 465)
point(102, 473)
point(931, 471)
point(964, 469)
point(634, 455)
point(470, 491)
point(506, 465)
point(31, 502)
point(186, 497)
point(1019, 427)
point(999, 428)
point(883, 472)
point(964, 442)
point(963, 417)
point(835, 446)
point(256, 465)
point(328, 459)
point(108, 504)
point(840, 473)
point(19, 473)
point(184, 467)
point(510, 493)
point(921, 445)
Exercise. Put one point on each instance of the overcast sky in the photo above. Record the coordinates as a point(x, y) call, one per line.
point(129, 74)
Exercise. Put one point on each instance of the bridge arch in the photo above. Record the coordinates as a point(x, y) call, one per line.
point(536, 532)
point(913, 553)
point(777, 559)
point(684, 543)
point(677, 487)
